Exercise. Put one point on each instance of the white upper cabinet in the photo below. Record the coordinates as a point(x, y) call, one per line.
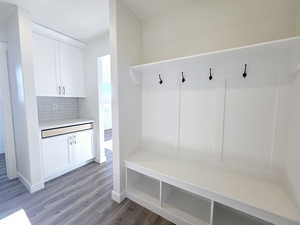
point(45, 68)
point(71, 70)
point(58, 68)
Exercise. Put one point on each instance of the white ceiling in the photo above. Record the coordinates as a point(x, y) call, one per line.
point(80, 19)
point(145, 9)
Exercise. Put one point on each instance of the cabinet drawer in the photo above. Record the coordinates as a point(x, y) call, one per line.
point(66, 130)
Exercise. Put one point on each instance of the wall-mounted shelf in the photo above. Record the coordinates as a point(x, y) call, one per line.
point(279, 57)
point(256, 197)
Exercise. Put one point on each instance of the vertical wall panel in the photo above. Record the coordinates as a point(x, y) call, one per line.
point(201, 116)
point(249, 124)
point(160, 105)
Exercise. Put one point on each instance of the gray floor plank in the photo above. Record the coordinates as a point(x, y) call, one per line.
point(81, 197)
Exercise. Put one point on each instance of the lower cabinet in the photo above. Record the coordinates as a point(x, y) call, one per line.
point(56, 157)
point(82, 147)
point(64, 153)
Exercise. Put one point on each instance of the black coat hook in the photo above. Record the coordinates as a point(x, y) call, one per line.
point(160, 80)
point(245, 72)
point(183, 78)
point(210, 74)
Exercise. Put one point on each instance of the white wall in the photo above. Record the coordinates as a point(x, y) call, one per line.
point(6, 123)
point(298, 19)
point(89, 107)
point(3, 34)
point(1, 128)
point(125, 37)
point(24, 103)
point(293, 153)
point(217, 24)
point(1, 131)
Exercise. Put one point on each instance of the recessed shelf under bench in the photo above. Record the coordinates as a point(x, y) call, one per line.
point(177, 189)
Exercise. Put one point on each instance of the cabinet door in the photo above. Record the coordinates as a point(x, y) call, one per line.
point(45, 66)
point(83, 150)
point(56, 155)
point(72, 71)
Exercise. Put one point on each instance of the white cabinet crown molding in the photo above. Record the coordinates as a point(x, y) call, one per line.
point(42, 30)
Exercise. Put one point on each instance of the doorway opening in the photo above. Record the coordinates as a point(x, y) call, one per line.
point(105, 99)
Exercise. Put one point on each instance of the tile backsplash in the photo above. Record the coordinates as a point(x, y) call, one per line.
point(55, 109)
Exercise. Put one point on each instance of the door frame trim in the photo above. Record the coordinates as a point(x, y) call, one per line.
point(9, 139)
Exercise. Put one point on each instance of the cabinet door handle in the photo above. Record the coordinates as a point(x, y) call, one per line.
point(70, 148)
point(75, 140)
point(70, 140)
point(64, 90)
point(59, 90)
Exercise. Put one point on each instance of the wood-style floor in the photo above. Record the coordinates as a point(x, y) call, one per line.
point(80, 197)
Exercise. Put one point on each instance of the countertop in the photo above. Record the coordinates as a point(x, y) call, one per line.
point(63, 123)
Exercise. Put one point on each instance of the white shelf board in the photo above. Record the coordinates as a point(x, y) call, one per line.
point(256, 197)
point(186, 58)
point(193, 210)
point(259, 58)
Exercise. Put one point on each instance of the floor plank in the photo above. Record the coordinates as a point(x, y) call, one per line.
point(81, 197)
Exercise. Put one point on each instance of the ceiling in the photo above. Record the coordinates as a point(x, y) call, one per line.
point(145, 10)
point(80, 19)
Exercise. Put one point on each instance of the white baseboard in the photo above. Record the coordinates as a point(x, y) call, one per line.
point(11, 177)
point(71, 168)
point(97, 160)
point(30, 187)
point(118, 197)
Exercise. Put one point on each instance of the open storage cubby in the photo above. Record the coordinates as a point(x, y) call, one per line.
point(143, 188)
point(227, 216)
point(189, 207)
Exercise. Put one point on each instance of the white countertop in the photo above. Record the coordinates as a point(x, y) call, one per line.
point(63, 123)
